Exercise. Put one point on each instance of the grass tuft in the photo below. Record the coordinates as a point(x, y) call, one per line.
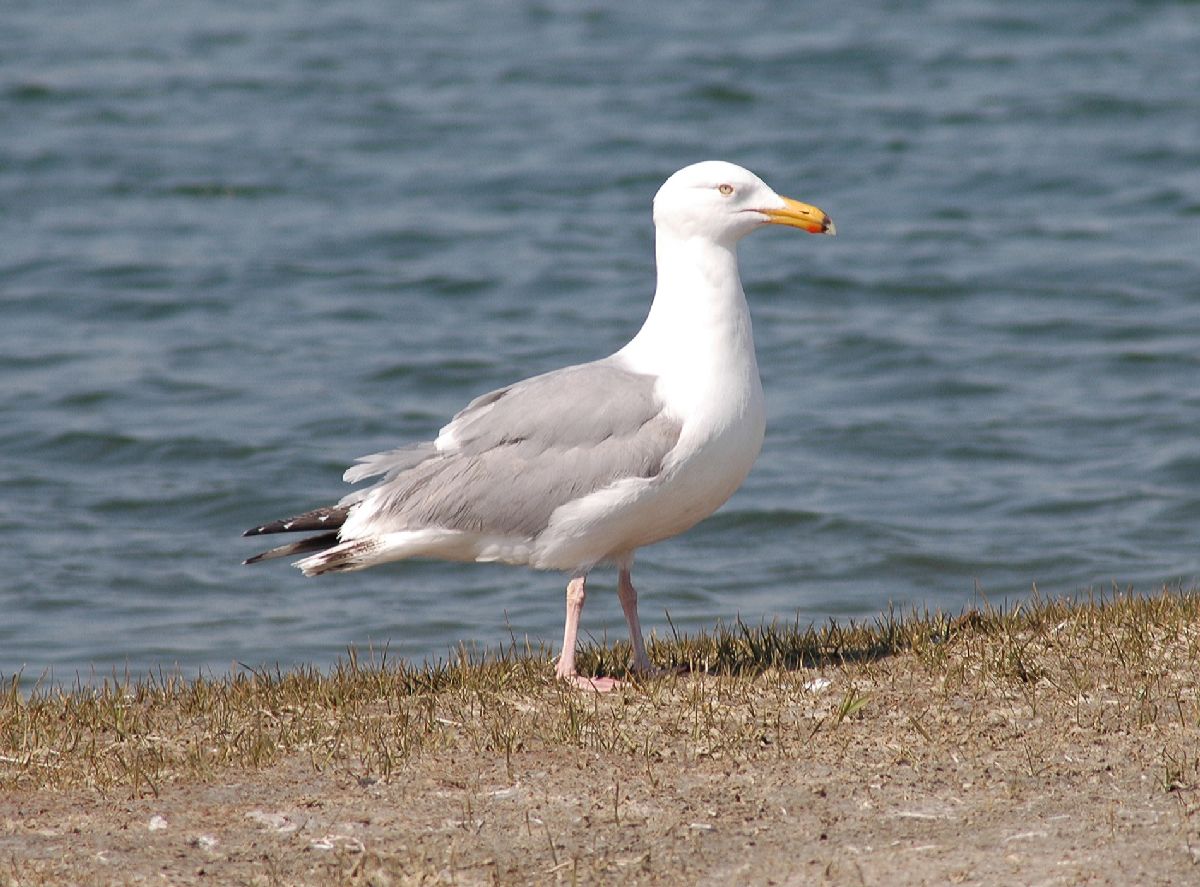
point(1114, 662)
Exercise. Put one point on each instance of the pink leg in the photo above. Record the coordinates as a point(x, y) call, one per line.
point(576, 594)
point(628, 595)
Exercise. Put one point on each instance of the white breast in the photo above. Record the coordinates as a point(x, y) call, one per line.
point(698, 342)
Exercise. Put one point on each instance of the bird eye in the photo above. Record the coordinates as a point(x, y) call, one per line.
point(725, 189)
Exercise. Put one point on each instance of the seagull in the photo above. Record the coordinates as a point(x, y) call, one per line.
point(584, 465)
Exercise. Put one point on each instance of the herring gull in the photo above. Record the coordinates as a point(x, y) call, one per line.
point(585, 465)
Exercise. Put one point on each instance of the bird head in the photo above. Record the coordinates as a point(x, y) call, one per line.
point(723, 202)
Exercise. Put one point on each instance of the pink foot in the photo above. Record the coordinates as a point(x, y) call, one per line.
point(594, 685)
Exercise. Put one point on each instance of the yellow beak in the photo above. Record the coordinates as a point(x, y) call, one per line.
point(795, 214)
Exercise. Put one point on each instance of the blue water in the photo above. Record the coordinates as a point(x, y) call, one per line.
point(242, 244)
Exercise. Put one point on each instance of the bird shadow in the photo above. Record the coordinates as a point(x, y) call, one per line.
point(740, 649)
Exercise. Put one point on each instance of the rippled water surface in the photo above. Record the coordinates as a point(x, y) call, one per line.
point(242, 244)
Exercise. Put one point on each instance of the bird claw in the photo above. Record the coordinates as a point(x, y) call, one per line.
point(594, 685)
point(607, 685)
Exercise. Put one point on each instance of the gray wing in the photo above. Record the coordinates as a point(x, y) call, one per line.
point(507, 461)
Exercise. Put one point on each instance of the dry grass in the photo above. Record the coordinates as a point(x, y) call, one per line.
point(1112, 664)
point(1055, 742)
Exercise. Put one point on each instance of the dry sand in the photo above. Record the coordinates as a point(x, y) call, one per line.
point(1015, 755)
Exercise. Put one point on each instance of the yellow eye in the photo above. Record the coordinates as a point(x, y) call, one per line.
point(725, 189)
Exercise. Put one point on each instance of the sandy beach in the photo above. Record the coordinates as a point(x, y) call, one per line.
point(1058, 743)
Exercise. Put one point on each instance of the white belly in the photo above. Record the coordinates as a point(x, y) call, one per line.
point(707, 466)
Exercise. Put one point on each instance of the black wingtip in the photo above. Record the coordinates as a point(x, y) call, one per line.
point(304, 546)
point(329, 517)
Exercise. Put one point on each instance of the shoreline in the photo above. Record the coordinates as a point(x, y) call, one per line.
point(1055, 742)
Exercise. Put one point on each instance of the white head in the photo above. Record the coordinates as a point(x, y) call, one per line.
point(722, 202)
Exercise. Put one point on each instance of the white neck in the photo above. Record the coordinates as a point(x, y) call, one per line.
point(699, 313)
point(697, 337)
